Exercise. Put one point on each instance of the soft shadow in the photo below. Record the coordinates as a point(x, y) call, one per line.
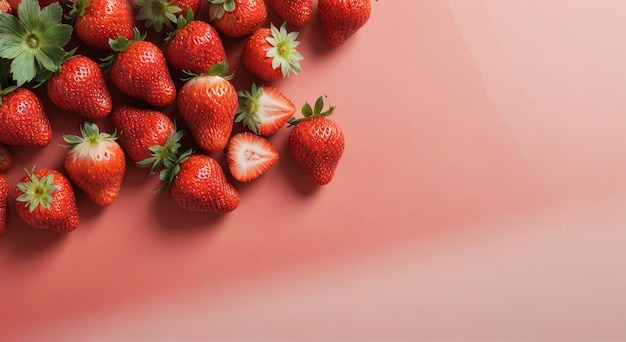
point(173, 219)
point(24, 241)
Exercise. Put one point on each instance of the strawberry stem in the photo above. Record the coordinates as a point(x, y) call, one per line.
point(310, 113)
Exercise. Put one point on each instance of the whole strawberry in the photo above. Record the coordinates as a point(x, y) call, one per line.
point(197, 182)
point(157, 13)
point(316, 142)
point(44, 199)
point(4, 208)
point(148, 136)
point(97, 21)
point(294, 12)
point(79, 87)
point(237, 18)
point(342, 18)
point(95, 163)
point(23, 120)
point(6, 159)
point(264, 110)
point(270, 53)
point(194, 46)
point(139, 69)
point(208, 104)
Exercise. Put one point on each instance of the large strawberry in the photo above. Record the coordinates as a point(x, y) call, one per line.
point(139, 69)
point(148, 136)
point(194, 46)
point(208, 104)
point(95, 163)
point(237, 18)
point(44, 199)
point(6, 159)
point(156, 13)
point(4, 208)
point(270, 53)
point(23, 119)
point(264, 109)
point(342, 18)
point(79, 87)
point(294, 12)
point(249, 156)
point(97, 21)
point(316, 142)
point(196, 182)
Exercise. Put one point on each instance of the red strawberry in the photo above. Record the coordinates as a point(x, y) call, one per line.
point(208, 104)
point(342, 18)
point(95, 163)
point(23, 120)
point(196, 182)
point(156, 13)
point(139, 69)
point(294, 12)
point(6, 159)
point(147, 136)
point(5, 7)
point(270, 53)
point(79, 87)
point(249, 156)
point(316, 142)
point(97, 21)
point(237, 18)
point(44, 199)
point(4, 208)
point(264, 109)
point(194, 46)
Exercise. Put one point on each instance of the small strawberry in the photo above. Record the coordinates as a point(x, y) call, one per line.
point(148, 136)
point(95, 163)
point(79, 87)
point(6, 159)
point(44, 199)
point(237, 18)
point(316, 142)
point(208, 104)
point(4, 208)
point(139, 69)
point(249, 156)
point(196, 182)
point(270, 53)
point(294, 12)
point(194, 46)
point(156, 13)
point(5, 7)
point(23, 120)
point(342, 18)
point(97, 21)
point(264, 109)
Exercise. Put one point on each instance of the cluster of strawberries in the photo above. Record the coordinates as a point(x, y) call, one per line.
point(32, 51)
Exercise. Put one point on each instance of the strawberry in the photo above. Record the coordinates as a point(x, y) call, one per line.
point(79, 87)
point(237, 18)
point(5, 7)
point(6, 159)
point(147, 136)
point(342, 18)
point(44, 199)
point(4, 208)
point(208, 104)
point(156, 13)
point(97, 21)
point(264, 109)
point(23, 120)
point(316, 142)
point(249, 156)
point(196, 182)
point(294, 12)
point(95, 163)
point(270, 53)
point(194, 46)
point(139, 69)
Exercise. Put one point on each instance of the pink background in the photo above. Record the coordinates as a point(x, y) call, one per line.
point(481, 197)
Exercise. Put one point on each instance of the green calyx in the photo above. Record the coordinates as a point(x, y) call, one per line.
point(217, 69)
point(120, 44)
point(77, 9)
point(283, 51)
point(181, 22)
point(310, 113)
point(33, 40)
point(156, 13)
point(248, 107)
point(37, 191)
point(172, 168)
point(90, 135)
point(162, 154)
point(226, 6)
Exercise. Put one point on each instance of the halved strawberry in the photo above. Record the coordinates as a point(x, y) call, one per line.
point(249, 156)
point(264, 109)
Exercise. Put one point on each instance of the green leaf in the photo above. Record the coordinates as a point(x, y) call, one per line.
point(28, 14)
point(57, 34)
point(306, 110)
point(10, 46)
point(51, 14)
point(319, 105)
point(23, 67)
point(9, 24)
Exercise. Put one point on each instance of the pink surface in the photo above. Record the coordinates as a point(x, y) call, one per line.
point(480, 197)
